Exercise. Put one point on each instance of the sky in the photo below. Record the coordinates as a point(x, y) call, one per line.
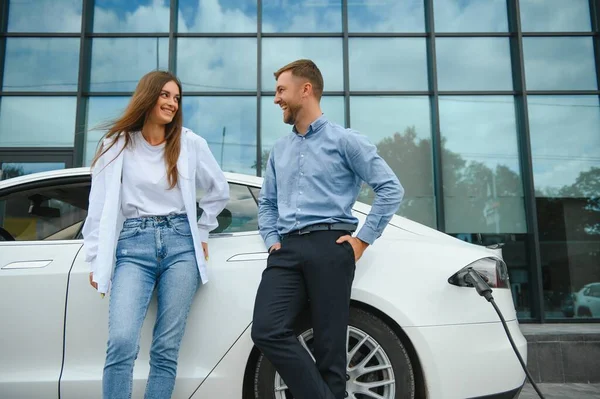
point(564, 129)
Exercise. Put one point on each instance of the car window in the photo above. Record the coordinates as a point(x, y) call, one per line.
point(49, 213)
point(240, 213)
point(594, 291)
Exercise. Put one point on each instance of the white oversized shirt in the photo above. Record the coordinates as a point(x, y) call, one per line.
point(145, 185)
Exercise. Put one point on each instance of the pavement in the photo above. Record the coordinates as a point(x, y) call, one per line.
point(562, 391)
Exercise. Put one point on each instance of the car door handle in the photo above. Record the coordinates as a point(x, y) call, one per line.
point(32, 264)
point(249, 257)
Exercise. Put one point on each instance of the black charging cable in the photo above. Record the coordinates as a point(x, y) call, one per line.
point(474, 278)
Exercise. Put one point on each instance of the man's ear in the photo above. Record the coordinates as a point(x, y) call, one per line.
point(306, 89)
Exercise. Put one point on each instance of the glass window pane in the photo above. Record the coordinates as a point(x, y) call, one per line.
point(302, 16)
point(240, 214)
point(8, 170)
point(41, 64)
point(111, 71)
point(217, 64)
point(483, 190)
point(470, 15)
point(228, 124)
point(555, 15)
point(559, 63)
point(386, 16)
point(37, 121)
point(217, 16)
point(325, 52)
point(388, 64)
point(565, 147)
point(404, 141)
point(272, 126)
point(44, 16)
point(100, 111)
point(473, 64)
point(131, 16)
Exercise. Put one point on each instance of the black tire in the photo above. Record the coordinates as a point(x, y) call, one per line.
point(264, 376)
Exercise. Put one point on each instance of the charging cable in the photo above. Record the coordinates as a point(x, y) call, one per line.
point(474, 278)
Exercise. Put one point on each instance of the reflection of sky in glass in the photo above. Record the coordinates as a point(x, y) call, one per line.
point(44, 15)
point(559, 63)
point(101, 110)
point(325, 52)
point(37, 121)
point(387, 64)
point(470, 15)
point(209, 117)
point(383, 117)
point(271, 121)
point(118, 64)
point(131, 16)
point(481, 129)
point(555, 15)
point(564, 138)
point(302, 16)
point(473, 64)
point(217, 16)
point(41, 64)
point(225, 64)
point(386, 16)
point(32, 167)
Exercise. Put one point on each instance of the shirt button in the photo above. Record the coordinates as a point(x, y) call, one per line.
point(298, 209)
point(301, 155)
point(300, 192)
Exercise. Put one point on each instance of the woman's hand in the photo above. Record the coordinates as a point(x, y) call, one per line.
point(95, 285)
point(205, 249)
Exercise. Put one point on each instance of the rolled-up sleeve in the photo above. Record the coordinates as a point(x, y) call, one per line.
point(212, 181)
point(364, 160)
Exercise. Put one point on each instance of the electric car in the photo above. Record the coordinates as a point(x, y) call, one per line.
point(418, 328)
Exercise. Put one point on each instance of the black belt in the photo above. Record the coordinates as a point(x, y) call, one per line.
point(321, 227)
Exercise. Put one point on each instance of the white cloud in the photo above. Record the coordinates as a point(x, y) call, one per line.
point(153, 17)
point(45, 16)
point(555, 15)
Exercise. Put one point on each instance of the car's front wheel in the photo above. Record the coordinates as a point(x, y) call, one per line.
point(378, 365)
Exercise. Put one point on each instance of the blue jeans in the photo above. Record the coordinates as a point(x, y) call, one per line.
point(152, 252)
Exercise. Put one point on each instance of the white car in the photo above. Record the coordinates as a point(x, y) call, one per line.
point(587, 301)
point(416, 330)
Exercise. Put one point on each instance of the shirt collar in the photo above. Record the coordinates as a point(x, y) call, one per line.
point(314, 127)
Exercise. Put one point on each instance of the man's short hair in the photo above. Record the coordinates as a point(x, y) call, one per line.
point(305, 69)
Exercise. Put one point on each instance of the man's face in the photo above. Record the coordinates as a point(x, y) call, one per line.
point(288, 95)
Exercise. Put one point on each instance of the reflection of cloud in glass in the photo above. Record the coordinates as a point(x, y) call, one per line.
point(101, 110)
point(302, 16)
point(559, 63)
point(400, 127)
point(387, 64)
point(217, 16)
point(470, 15)
point(131, 16)
point(555, 15)
point(44, 16)
point(118, 64)
point(271, 122)
point(37, 121)
point(224, 64)
point(386, 16)
point(41, 64)
point(481, 129)
point(225, 120)
point(325, 52)
point(474, 64)
point(564, 139)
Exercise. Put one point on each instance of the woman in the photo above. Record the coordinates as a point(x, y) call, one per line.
point(142, 230)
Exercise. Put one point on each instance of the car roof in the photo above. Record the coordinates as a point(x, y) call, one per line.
point(239, 178)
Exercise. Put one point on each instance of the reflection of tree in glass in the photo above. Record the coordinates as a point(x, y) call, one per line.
point(263, 164)
point(10, 171)
point(587, 186)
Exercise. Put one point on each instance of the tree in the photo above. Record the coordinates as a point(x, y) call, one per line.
point(265, 158)
point(10, 171)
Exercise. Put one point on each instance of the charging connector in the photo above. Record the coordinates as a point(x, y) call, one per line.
point(472, 277)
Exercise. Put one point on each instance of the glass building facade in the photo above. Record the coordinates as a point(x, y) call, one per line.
point(487, 110)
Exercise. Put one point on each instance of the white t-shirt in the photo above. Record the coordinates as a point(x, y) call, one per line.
point(145, 187)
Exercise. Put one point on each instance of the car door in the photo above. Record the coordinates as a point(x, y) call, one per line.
point(38, 224)
point(221, 311)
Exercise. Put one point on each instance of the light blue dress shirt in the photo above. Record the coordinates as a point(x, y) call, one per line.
point(316, 178)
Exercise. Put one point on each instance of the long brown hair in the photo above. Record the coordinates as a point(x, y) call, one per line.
point(132, 120)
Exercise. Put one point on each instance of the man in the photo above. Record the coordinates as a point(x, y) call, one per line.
point(312, 180)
